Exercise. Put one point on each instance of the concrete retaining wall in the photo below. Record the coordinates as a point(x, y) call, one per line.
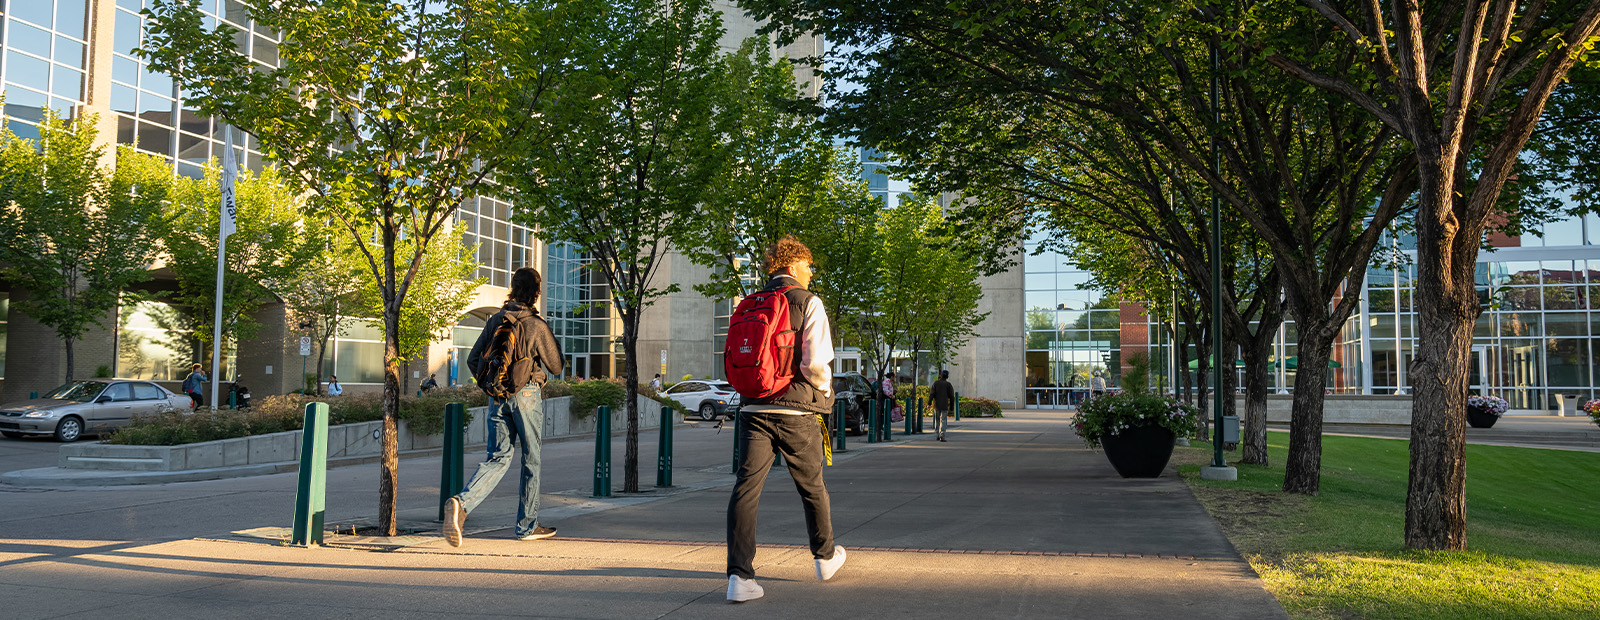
point(1345, 409)
point(347, 440)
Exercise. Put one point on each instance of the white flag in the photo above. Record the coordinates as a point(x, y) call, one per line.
point(230, 171)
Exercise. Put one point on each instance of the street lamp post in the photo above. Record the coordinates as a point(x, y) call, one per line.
point(1219, 469)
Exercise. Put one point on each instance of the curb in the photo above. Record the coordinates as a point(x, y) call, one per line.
point(57, 477)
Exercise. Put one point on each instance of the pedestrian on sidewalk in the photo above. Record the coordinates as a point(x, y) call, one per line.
point(785, 415)
point(510, 361)
point(431, 382)
point(1097, 385)
point(193, 386)
point(944, 397)
point(334, 389)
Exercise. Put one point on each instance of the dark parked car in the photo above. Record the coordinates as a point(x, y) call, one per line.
point(855, 391)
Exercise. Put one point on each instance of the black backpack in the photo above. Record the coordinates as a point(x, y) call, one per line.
point(504, 369)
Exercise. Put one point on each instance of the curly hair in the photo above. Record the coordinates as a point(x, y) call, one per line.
point(787, 251)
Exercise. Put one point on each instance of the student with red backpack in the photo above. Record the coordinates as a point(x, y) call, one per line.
point(509, 362)
point(777, 357)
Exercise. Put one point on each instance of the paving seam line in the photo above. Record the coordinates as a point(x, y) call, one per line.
point(693, 543)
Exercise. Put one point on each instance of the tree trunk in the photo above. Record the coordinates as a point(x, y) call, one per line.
point(69, 341)
point(630, 365)
point(1253, 423)
point(322, 352)
point(1303, 468)
point(1181, 366)
point(388, 478)
point(1436, 509)
point(1228, 367)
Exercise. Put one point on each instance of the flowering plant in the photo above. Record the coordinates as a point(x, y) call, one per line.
point(1593, 409)
point(1492, 405)
point(1111, 414)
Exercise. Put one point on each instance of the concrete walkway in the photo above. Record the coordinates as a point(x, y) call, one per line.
point(1012, 518)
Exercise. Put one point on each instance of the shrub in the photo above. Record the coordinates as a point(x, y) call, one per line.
point(1492, 405)
point(1113, 413)
point(275, 414)
point(1137, 379)
point(980, 408)
point(588, 395)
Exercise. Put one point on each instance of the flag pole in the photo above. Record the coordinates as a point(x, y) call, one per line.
point(225, 227)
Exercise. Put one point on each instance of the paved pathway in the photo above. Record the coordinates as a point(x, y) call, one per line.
point(1012, 518)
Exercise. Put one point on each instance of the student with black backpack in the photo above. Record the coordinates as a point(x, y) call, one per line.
point(777, 357)
point(509, 362)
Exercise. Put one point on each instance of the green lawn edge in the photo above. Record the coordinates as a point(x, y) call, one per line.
point(1533, 533)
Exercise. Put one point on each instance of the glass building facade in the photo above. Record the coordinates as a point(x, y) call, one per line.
point(45, 63)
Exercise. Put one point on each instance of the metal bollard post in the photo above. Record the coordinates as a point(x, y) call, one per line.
point(310, 498)
point(602, 452)
point(233, 400)
point(840, 426)
point(452, 454)
point(919, 415)
point(909, 428)
point(872, 421)
point(957, 406)
point(664, 449)
point(33, 396)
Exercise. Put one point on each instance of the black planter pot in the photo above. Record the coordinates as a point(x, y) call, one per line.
point(1140, 452)
point(1478, 418)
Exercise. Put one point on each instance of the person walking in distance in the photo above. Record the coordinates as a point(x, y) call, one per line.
point(944, 398)
point(334, 389)
point(785, 326)
point(430, 383)
point(1097, 385)
point(510, 362)
point(193, 386)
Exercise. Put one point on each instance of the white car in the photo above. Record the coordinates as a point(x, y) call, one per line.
point(712, 399)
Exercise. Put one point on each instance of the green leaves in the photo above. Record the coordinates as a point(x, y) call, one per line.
point(75, 234)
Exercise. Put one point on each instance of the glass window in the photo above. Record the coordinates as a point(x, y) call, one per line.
point(128, 30)
point(1566, 324)
point(69, 52)
point(147, 391)
point(34, 11)
point(68, 83)
point(24, 104)
point(1520, 324)
point(155, 139)
point(29, 39)
point(27, 71)
point(72, 17)
point(359, 362)
point(1567, 362)
point(119, 392)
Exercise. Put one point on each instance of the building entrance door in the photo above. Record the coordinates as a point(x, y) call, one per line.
point(578, 367)
point(1481, 377)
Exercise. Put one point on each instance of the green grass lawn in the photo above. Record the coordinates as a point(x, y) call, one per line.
point(1533, 533)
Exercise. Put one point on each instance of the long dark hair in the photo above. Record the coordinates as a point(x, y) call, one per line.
point(525, 284)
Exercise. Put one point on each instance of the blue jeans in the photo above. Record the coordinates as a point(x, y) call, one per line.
point(519, 420)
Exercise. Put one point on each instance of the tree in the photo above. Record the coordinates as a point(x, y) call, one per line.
point(776, 164)
point(1465, 84)
point(443, 288)
point(1020, 102)
point(75, 234)
point(388, 114)
point(271, 244)
point(632, 155)
point(322, 292)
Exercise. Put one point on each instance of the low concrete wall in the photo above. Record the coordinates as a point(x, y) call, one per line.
point(344, 441)
point(1345, 409)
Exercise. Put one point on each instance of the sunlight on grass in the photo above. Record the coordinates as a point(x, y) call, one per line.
point(1532, 529)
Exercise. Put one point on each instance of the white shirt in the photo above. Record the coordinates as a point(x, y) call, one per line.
point(816, 356)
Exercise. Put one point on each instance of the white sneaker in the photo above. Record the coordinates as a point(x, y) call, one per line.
point(741, 589)
point(826, 568)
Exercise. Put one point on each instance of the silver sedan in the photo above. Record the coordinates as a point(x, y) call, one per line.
point(87, 407)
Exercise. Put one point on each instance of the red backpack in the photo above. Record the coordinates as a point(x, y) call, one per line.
point(758, 356)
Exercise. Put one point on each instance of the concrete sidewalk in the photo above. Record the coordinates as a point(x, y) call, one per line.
point(1013, 517)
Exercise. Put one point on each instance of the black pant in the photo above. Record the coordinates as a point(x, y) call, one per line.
point(799, 438)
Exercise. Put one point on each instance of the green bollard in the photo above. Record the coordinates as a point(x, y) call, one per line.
point(310, 498)
point(872, 421)
point(957, 406)
point(602, 452)
point(452, 454)
point(33, 396)
point(840, 427)
point(910, 427)
point(233, 400)
point(919, 415)
point(664, 450)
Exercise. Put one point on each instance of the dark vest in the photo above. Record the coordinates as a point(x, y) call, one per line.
point(800, 395)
